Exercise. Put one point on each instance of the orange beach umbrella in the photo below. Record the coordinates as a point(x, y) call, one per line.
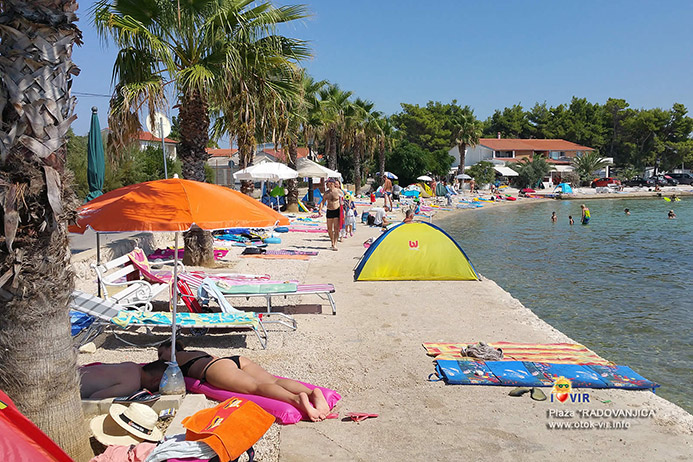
point(173, 205)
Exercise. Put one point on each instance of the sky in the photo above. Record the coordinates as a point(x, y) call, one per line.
point(485, 54)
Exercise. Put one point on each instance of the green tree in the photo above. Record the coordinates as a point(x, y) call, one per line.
point(38, 367)
point(512, 122)
point(588, 164)
point(334, 105)
point(407, 161)
point(439, 162)
point(531, 171)
point(195, 45)
point(431, 127)
point(482, 172)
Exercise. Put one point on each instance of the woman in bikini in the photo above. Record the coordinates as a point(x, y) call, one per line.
point(239, 374)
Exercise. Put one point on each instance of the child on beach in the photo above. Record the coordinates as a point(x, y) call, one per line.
point(570, 220)
point(349, 216)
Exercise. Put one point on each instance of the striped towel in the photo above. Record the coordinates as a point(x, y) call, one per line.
point(560, 353)
point(126, 318)
point(195, 278)
point(269, 256)
point(291, 252)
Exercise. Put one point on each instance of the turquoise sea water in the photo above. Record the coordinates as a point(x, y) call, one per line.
point(621, 285)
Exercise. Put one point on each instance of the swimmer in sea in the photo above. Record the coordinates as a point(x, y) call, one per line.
point(554, 218)
point(626, 211)
point(671, 215)
point(570, 220)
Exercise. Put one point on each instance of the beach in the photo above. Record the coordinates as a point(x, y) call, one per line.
point(371, 353)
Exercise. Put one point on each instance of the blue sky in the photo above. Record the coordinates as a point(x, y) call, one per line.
point(486, 54)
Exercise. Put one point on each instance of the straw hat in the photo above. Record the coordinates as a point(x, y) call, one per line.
point(125, 425)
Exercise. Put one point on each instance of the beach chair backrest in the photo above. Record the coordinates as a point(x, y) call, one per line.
point(209, 291)
point(95, 306)
point(189, 297)
point(140, 261)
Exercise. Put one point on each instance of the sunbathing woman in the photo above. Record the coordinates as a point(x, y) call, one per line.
point(239, 374)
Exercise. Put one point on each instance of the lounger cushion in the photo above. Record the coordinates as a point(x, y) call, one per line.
point(284, 412)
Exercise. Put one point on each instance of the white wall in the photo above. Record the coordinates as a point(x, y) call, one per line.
point(474, 155)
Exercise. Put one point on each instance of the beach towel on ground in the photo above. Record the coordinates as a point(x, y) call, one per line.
point(565, 353)
point(230, 428)
point(514, 373)
point(580, 376)
point(622, 377)
point(465, 372)
point(167, 254)
point(284, 412)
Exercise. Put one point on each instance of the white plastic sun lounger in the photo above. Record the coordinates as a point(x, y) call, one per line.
point(112, 315)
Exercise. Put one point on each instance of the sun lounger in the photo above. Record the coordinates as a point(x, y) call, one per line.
point(109, 314)
point(324, 291)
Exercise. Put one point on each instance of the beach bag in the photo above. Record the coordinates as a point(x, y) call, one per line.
point(230, 428)
point(252, 251)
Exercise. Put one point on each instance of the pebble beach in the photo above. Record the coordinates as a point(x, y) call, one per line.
point(371, 353)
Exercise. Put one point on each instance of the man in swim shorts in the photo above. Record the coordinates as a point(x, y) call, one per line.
point(585, 214)
point(121, 379)
point(387, 193)
point(331, 199)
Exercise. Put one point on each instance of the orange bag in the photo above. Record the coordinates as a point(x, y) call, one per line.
point(230, 428)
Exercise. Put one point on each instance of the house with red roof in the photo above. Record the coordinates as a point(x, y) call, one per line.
point(500, 151)
point(146, 139)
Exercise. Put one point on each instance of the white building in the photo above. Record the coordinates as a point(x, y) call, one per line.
point(499, 151)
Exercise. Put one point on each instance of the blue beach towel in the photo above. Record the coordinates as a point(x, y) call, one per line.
point(514, 373)
point(623, 377)
point(465, 372)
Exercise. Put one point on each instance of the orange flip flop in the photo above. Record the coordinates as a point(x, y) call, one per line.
point(360, 416)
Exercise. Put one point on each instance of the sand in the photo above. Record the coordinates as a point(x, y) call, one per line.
point(371, 353)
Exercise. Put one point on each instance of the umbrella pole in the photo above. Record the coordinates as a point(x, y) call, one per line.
point(98, 259)
point(174, 298)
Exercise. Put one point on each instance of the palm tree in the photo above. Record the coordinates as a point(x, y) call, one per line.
point(194, 45)
point(386, 141)
point(334, 104)
point(203, 49)
point(531, 171)
point(38, 362)
point(467, 131)
point(588, 164)
point(362, 130)
point(300, 123)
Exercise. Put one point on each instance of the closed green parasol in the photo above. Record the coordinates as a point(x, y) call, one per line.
point(96, 163)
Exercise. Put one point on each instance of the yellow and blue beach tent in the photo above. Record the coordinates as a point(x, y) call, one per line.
point(415, 252)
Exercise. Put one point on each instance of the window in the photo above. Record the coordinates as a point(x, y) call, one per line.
point(503, 154)
point(555, 155)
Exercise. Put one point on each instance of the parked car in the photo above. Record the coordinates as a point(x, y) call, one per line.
point(601, 182)
point(662, 180)
point(637, 181)
point(682, 178)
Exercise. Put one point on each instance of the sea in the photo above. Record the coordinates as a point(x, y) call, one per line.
point(621, 285)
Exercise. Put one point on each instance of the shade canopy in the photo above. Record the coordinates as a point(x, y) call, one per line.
point(424, 178)
point(96, 164)
point(391, 176)
point(174, 205)
point(463, 176)
point(505, 171)
point(308, 168)
point(272, 171)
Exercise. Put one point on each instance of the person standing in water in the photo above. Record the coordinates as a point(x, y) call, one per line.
point(554, 218)
point(570, 220)
point(671, 214)
point(585, 214)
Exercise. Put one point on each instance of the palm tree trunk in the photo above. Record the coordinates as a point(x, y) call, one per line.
point(381, 159)
point(194, 134)
point(292, 185)
point(332, 152)
point(192, 150)
point(37, 360)
point(462, 147)
point(246, 145)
